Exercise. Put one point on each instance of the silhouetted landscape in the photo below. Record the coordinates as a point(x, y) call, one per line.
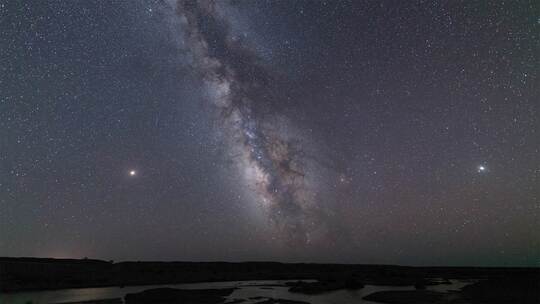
point(487, 285)
point(269, 152)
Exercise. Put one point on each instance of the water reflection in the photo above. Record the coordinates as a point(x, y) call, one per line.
point(246, 290)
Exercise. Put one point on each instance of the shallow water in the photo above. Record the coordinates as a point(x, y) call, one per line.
point(246, 290)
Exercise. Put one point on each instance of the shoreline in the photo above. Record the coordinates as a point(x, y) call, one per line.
point(36, 274)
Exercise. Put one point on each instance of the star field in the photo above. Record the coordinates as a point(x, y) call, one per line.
point(328, 131)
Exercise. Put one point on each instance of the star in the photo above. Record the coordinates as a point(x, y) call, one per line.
point(297, 140)
point(344, 179)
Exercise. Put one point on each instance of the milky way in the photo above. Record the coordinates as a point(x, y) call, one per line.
point(385, 132)
point(269, 158)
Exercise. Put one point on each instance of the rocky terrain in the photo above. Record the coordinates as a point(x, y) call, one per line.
point(493, 285)
point(18, 274)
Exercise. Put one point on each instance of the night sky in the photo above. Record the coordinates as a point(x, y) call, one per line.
point(397, 132)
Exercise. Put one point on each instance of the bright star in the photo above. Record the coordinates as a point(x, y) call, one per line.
point(481, 169)
point(132, 173)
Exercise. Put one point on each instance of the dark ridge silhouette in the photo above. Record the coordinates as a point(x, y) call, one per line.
point(18, 274)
